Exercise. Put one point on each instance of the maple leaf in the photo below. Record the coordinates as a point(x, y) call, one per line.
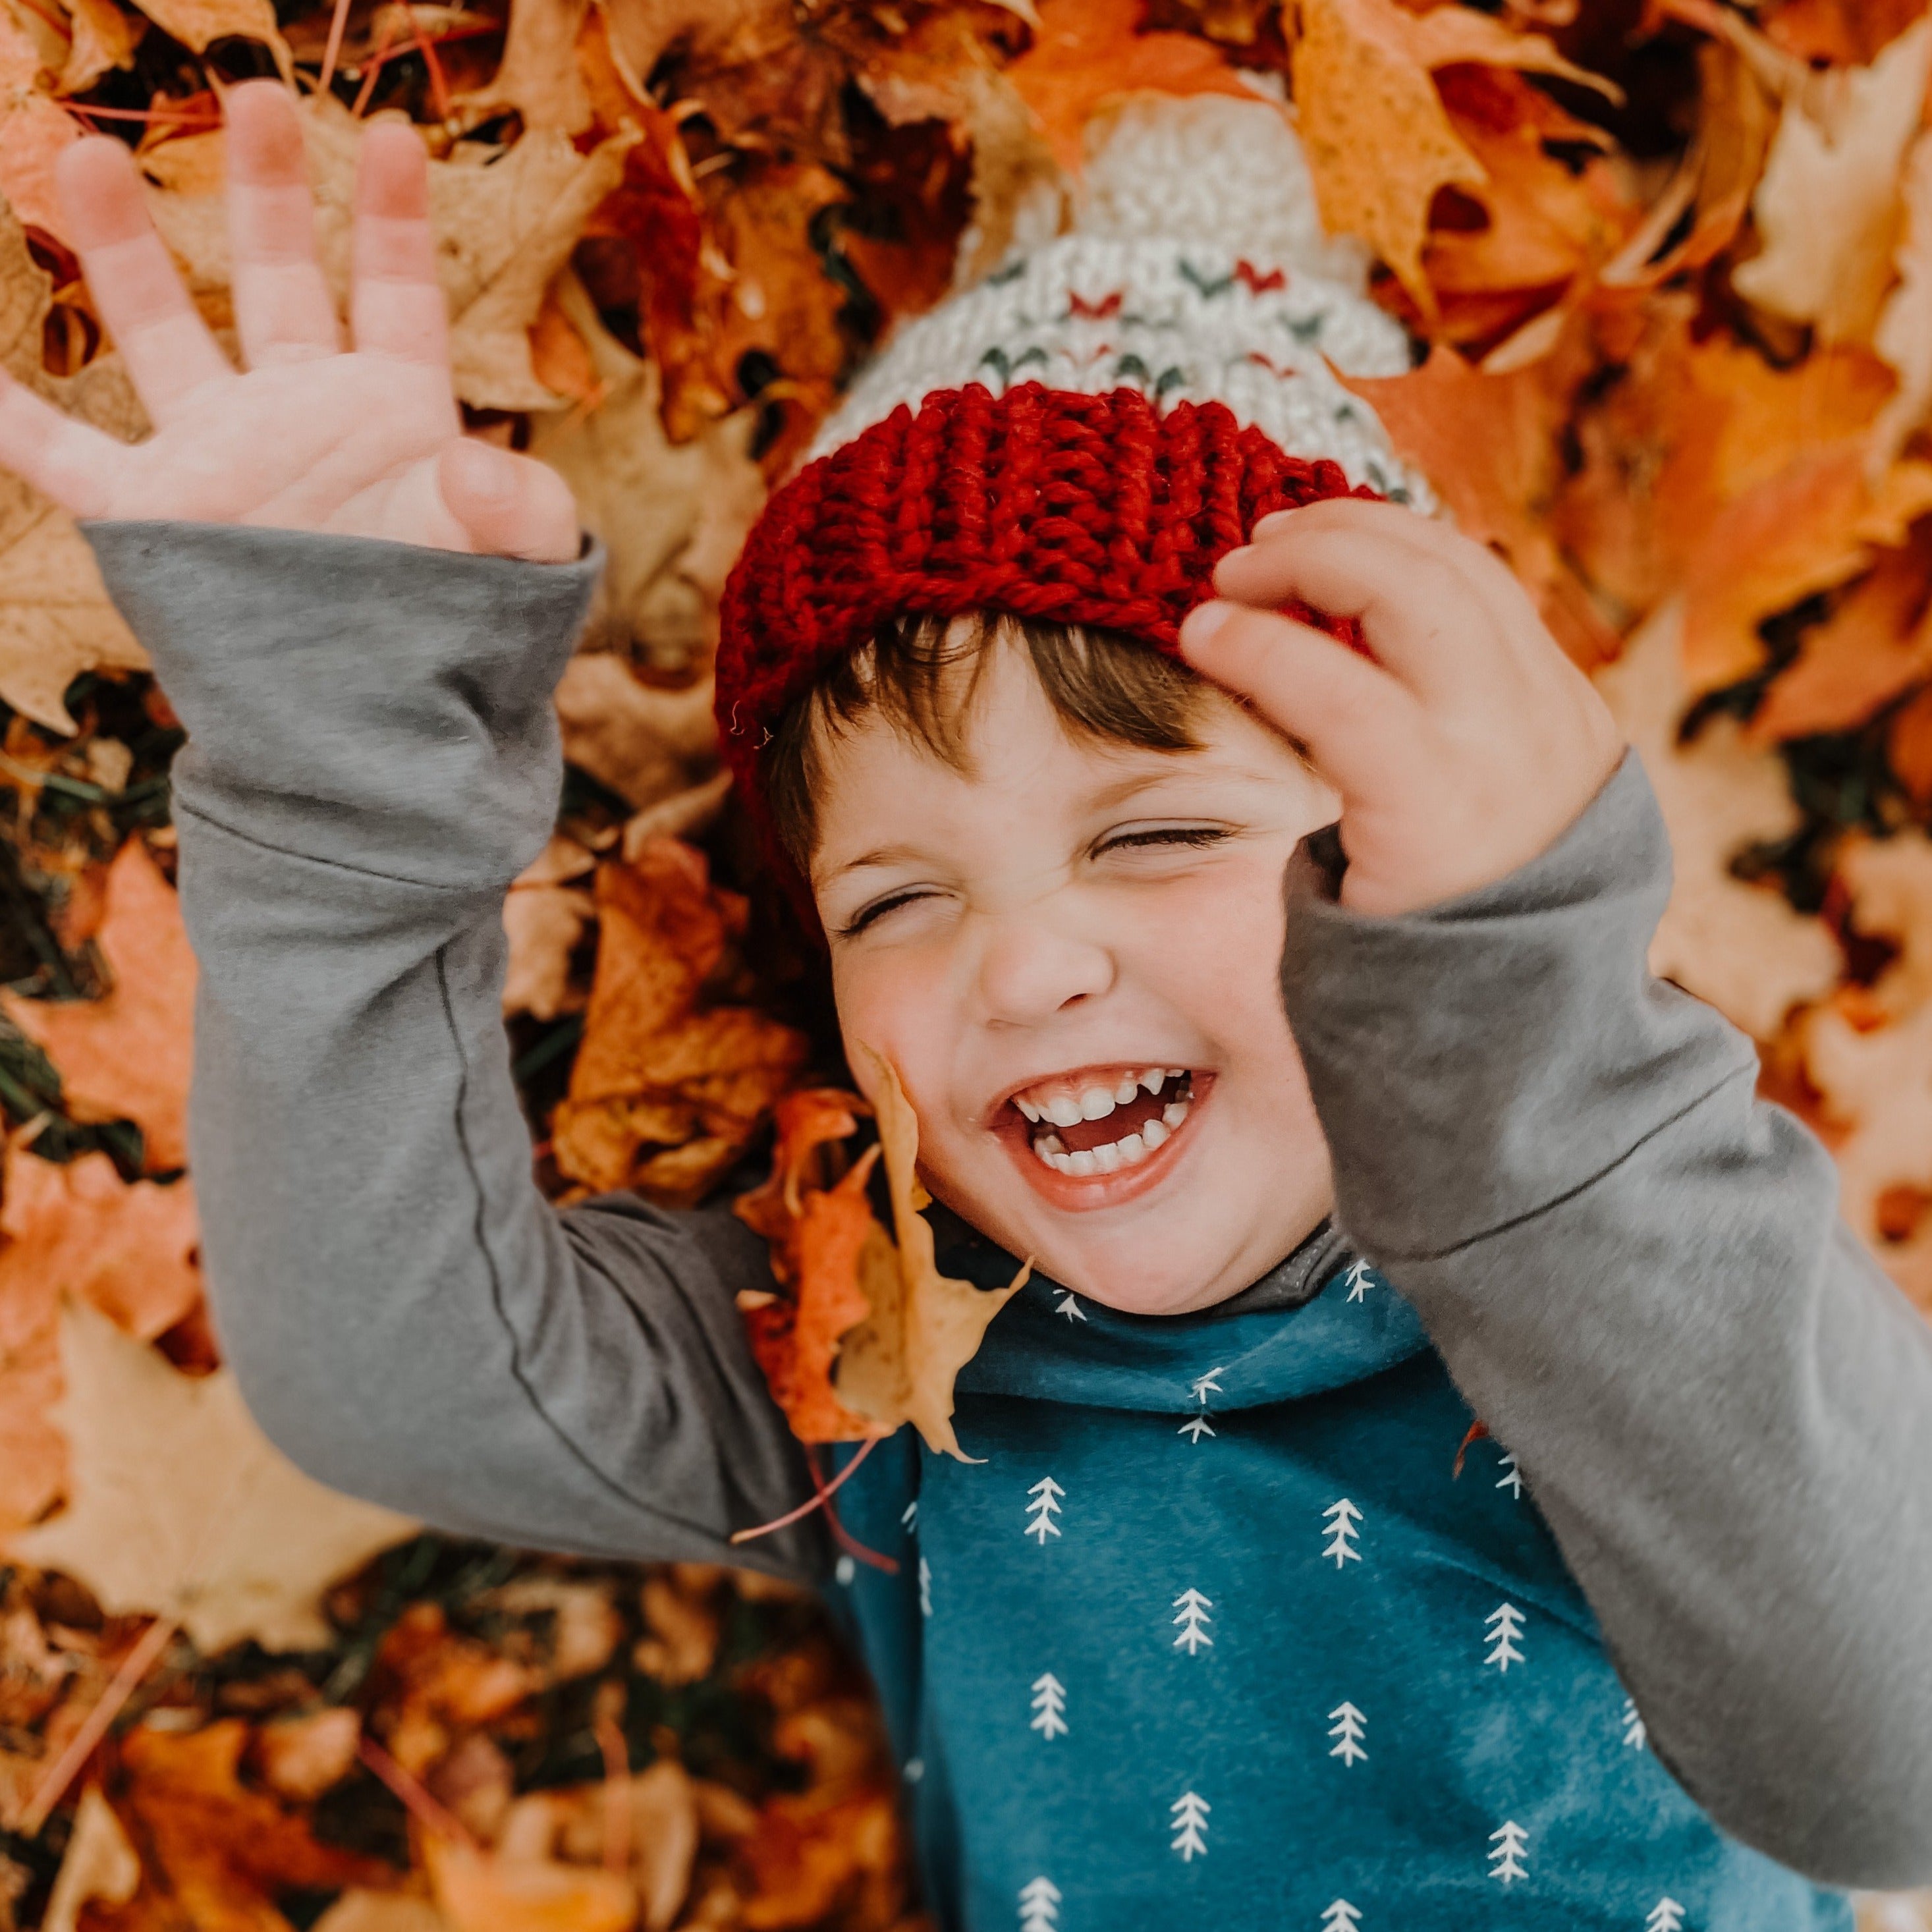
point(1827, 205)
point(819, 1240)
point(103, 39)
point(900, 1363)
point(179, 1507)
point(544, 917)
point(667, 1088)
point(539, 75)
point(196, 23)
point(1087, 54)
point(127, 1055)
point(1812, 527)
point(33, 131)
point(1741, 947)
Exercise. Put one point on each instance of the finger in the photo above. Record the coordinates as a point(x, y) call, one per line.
point(71, 462)
point(510, 506)
point(398, 308)
point(282, 308)
point(1436, 609)
point(169, 354)
point(1351, 718)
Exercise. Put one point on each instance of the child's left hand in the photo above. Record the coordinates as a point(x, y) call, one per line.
point(1465, 749)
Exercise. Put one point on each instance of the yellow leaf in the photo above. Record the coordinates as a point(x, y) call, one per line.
point(180, 1507)
point(197, 23)
point(900, 1363)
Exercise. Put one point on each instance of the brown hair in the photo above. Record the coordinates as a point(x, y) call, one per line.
point(920, 674)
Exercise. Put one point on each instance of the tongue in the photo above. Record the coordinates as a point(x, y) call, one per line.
point(1122, 1121)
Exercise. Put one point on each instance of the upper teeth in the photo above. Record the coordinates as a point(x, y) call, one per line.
point(1096, 1102)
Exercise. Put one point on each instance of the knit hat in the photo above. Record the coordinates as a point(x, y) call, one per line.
point(1082, 435)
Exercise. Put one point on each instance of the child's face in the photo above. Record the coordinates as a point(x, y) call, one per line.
point(1046, 927)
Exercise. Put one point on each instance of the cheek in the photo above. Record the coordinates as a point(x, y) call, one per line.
point(897, 1004)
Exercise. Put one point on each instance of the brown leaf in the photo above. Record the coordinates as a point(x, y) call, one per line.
point(127, 1055)
point(899, 1364)
point(539, 76)
point(300, 1758)
point(476, 1892)
point(178, 1506)
point(196, 23)
point(545, 918)
point(667, 1088)
point(1827, 207)
point(1088, 53)
point(33, 133)
point(104, 38)
point(98, 1864)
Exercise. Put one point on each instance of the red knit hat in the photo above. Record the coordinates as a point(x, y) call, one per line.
point(1181, 394)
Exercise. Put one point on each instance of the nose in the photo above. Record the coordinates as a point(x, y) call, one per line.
point(1028, 971)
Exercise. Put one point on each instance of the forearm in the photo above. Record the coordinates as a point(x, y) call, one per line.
point(407, 1316)
point(1635, 1274)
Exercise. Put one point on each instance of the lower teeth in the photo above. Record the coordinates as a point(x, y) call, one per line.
point(1114, 1154)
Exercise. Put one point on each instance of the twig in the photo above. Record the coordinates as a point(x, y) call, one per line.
point(824, 1490)
point(427, 1810)
point(134, 1667)
point(337, 26)
point(438, 87)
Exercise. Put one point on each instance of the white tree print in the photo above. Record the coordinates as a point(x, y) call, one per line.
point(1340, 1917)
point(1049, 1703)
point(1039, 1905)
point(1666, 1916)
point(909, 1516)
point(1357, 1280)
point(925, 1588)
point(1511, 1478)
point(1505, 1625)
point(1068, 1305)
point(1202, 1386)
point(1195, 1427)
point(1340, 1519)
point(1348, 1729)
point(1637, 1733)
point(1045, 1506)
point(1193, 1619)
point(1510, 1842)
point(1187, 1820)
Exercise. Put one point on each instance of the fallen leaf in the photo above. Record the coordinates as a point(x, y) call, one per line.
point(1380, 146)
point(667, 1088)
point(359, 1911)
point(1827, 206)
point(1908, 746)
point(899, 1364)
point(1088, 53)
point(545, 923)
point(1741, 947)
point(178, 1506)
point(1903, 334)
point(104, 38)
point(476, 1892)
point(128, 1055)
point(818, 1234)
point(1814, 526)
point(1876, 644)
point(197, 23)
point(645, 742)
point(685, 815)
point(33, 131)
point(98, 1863)
point(300, 1758)
point(539, 76)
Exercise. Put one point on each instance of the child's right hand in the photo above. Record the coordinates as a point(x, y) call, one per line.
point(366, 442)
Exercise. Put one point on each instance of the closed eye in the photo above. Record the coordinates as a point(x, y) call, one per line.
point(1158, 835)
point(869, 915)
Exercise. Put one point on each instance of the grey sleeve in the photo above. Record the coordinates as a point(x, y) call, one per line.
point(372, 757)
point(1636, 1274)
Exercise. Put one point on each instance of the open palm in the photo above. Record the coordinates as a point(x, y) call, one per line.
point(366, 442)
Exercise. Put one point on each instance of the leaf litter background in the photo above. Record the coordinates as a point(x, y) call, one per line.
point(1668, 268)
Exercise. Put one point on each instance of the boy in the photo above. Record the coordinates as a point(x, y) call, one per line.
point(1213, 1626)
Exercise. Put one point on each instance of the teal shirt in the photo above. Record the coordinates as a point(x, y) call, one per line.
point(1214, 1635)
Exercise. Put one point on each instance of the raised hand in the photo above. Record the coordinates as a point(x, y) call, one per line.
point(1470, 744)
point(363, 442)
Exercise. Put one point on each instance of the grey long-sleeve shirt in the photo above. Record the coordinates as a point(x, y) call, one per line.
point(1632, 1269)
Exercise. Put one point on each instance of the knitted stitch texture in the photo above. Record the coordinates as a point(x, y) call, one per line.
point(1086, 509)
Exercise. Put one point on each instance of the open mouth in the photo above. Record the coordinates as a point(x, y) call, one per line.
point(1090, 1126)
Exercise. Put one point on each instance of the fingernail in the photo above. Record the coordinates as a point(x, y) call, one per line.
point(1204, 620)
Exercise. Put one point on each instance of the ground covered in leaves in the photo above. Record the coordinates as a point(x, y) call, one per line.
point(1667, 267)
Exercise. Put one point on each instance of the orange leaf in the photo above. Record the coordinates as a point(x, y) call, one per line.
point(667, 1087)
point(1810, 528)
point(477, 1892)
point(1909, 744)
point(127, 1055)
point(1087, 54)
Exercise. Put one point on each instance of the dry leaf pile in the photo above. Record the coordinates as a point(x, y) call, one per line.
point(1668, 270)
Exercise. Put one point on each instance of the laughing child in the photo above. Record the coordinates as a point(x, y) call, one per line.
point(1284, 1002)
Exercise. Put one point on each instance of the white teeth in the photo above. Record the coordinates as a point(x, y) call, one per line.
point(1027, 1107)
point(1108, 1158)
point(1174, 1112)
point(1095, 1104)
point(1133, 1150)
point(1152, 1135)
point(1082, 1162)
point(1063, 1110)
point(1126, 1090)
point(1152, 1078)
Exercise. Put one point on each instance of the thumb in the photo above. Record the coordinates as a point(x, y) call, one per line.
point(508, 505)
